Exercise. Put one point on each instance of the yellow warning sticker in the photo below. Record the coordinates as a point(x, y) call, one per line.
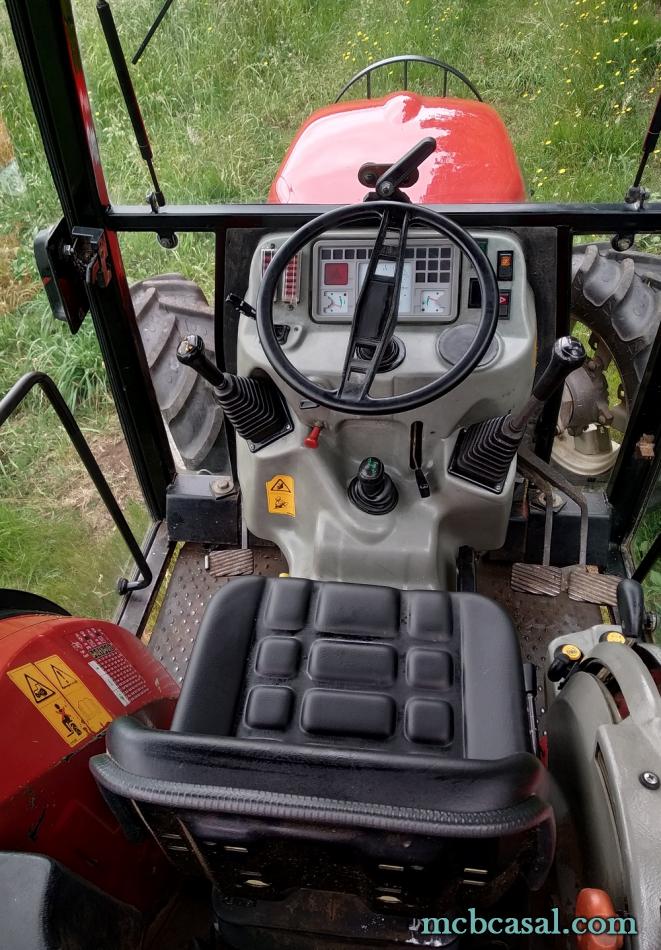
point(75, 692)
point(280, 495)
point(62, 699)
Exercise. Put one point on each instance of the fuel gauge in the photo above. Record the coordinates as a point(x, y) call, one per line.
point(433, 301)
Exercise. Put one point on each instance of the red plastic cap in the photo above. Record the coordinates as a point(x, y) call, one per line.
point(592, 902)
point(311, 441)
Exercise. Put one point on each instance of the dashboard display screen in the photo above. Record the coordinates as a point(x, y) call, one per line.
point(429, 279)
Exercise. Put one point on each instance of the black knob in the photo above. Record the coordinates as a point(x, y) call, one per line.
point(568, 355)
point(565, 659)
point(373, 490)
point(371, 476)
point(190, 352)
point(559, 668)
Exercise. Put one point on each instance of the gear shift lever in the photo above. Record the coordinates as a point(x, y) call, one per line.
point(254, 406)
point(484, 451)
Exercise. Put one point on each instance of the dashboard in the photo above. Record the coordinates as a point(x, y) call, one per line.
point(439, 307)
point(439, 285)
point(428, 289)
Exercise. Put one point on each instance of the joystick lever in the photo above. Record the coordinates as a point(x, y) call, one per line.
point(484, 451)
point(568, 354)
point(373, 490)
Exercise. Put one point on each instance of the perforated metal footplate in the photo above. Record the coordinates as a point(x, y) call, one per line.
point(537, 618)
point(190, 588)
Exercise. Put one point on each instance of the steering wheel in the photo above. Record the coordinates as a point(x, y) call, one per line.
point(375, 314)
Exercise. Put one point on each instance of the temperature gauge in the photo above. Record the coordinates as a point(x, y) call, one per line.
point(433, 301)
point(334, 301)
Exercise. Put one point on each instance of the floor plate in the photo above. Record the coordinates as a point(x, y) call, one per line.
point(189, 590)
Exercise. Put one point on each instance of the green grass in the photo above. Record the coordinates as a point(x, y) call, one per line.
point(66, 560)
point(223, 87)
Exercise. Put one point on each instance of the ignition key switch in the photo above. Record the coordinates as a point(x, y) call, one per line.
point(373, 490)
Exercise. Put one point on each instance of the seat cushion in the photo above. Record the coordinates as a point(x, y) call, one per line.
point(356, 666)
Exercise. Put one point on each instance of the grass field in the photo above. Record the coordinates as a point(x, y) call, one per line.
point(223, 87)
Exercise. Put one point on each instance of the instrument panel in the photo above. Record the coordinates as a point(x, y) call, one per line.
point(429, 288)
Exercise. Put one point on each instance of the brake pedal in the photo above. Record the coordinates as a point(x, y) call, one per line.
point(540, 578)
point(592, 588)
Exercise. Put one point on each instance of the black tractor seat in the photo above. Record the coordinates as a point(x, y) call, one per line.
point(328, 733)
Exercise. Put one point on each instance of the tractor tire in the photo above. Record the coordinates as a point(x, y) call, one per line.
point(167, 308)
point(618, 296)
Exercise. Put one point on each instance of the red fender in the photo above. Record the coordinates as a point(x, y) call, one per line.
point(62, 680)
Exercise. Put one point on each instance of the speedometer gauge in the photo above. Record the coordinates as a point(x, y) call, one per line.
point(387, 269)
point(334, 301)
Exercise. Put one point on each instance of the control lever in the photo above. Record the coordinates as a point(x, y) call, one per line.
point(530, 686)
point(568, 354)
point(416, 460)
point(484, 451)
point(190, 352)
point(388, 180)
point(241, 305)
point(373, 490)
point(255, 407)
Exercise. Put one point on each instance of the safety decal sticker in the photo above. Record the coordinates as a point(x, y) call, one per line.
point(280, 495)
point(110, 664)
point(67, 704)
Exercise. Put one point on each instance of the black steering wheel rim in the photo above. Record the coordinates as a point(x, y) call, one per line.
point(379, 405)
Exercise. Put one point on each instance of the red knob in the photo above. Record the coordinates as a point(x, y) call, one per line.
point(312, 439)
point(592, 902)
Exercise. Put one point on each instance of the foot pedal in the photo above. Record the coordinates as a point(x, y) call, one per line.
point(230, 563)
point(537, 579)
point(593, 588)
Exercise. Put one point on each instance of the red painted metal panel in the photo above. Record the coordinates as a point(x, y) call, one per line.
point(474, 159)
point(60, 680)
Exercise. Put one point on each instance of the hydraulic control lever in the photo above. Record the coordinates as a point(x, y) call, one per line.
point(568, 354)
point(254, 406)
point(373, 490)
point(484, 451)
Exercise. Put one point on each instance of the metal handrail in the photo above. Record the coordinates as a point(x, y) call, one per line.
point(10, 402)
point(405, 60)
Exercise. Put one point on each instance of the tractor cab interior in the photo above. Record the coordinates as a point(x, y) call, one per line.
point(392, 660)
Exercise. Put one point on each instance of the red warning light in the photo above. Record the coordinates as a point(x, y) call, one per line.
point(336, 274)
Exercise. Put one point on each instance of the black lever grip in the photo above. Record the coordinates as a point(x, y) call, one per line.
point(631, 607)
point(403, 167)
point(568, 355)
point(190, 352)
